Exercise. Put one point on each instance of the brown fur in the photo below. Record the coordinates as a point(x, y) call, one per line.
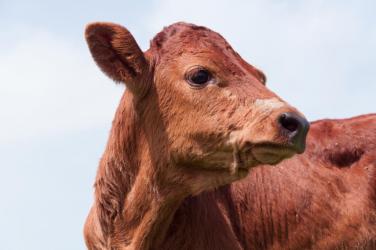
point(306, 202)
point(170, 146)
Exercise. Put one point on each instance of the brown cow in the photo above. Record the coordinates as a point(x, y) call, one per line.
point(322, 199)
point(156, 161)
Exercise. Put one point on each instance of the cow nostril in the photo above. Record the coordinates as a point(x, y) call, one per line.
point(289, 122)
point(297, 128)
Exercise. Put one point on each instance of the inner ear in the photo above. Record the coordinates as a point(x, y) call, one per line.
point(116, 52)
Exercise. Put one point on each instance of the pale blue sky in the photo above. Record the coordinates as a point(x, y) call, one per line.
point(56, 106)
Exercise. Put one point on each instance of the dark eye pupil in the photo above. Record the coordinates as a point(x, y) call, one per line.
point(200, 77)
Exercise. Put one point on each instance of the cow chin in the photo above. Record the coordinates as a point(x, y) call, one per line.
point(271, 154)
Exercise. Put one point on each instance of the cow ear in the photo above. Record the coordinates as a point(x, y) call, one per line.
point(116, 52)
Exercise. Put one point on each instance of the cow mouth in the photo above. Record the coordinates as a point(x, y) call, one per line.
point(262, 153)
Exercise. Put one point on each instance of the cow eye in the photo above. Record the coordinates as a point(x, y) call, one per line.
point(199, 77)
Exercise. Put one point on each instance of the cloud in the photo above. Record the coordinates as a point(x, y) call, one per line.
point(318, 56)
point(56, 108)
point(51, 86)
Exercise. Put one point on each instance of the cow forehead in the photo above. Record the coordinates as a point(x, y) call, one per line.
point(182, 37)
point(189, 39)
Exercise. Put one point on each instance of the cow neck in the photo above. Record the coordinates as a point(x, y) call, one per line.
point(147, 215)
point(135, 202)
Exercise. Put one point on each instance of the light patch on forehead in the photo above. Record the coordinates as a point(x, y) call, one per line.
point(268, 105)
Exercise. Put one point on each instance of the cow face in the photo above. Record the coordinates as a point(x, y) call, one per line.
point(209, 109)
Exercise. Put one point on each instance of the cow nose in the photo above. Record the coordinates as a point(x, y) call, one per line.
point(297, 128)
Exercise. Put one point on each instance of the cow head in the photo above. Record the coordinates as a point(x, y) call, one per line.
point(202, 107)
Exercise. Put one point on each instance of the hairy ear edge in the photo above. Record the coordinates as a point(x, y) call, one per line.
point(116, 52)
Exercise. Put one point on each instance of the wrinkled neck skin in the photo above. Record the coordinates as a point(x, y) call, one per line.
point(135, 198)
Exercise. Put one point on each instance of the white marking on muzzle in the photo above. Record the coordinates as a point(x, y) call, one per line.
point(268, 105)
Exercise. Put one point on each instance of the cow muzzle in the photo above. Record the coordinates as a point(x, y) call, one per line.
point(295, 128)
